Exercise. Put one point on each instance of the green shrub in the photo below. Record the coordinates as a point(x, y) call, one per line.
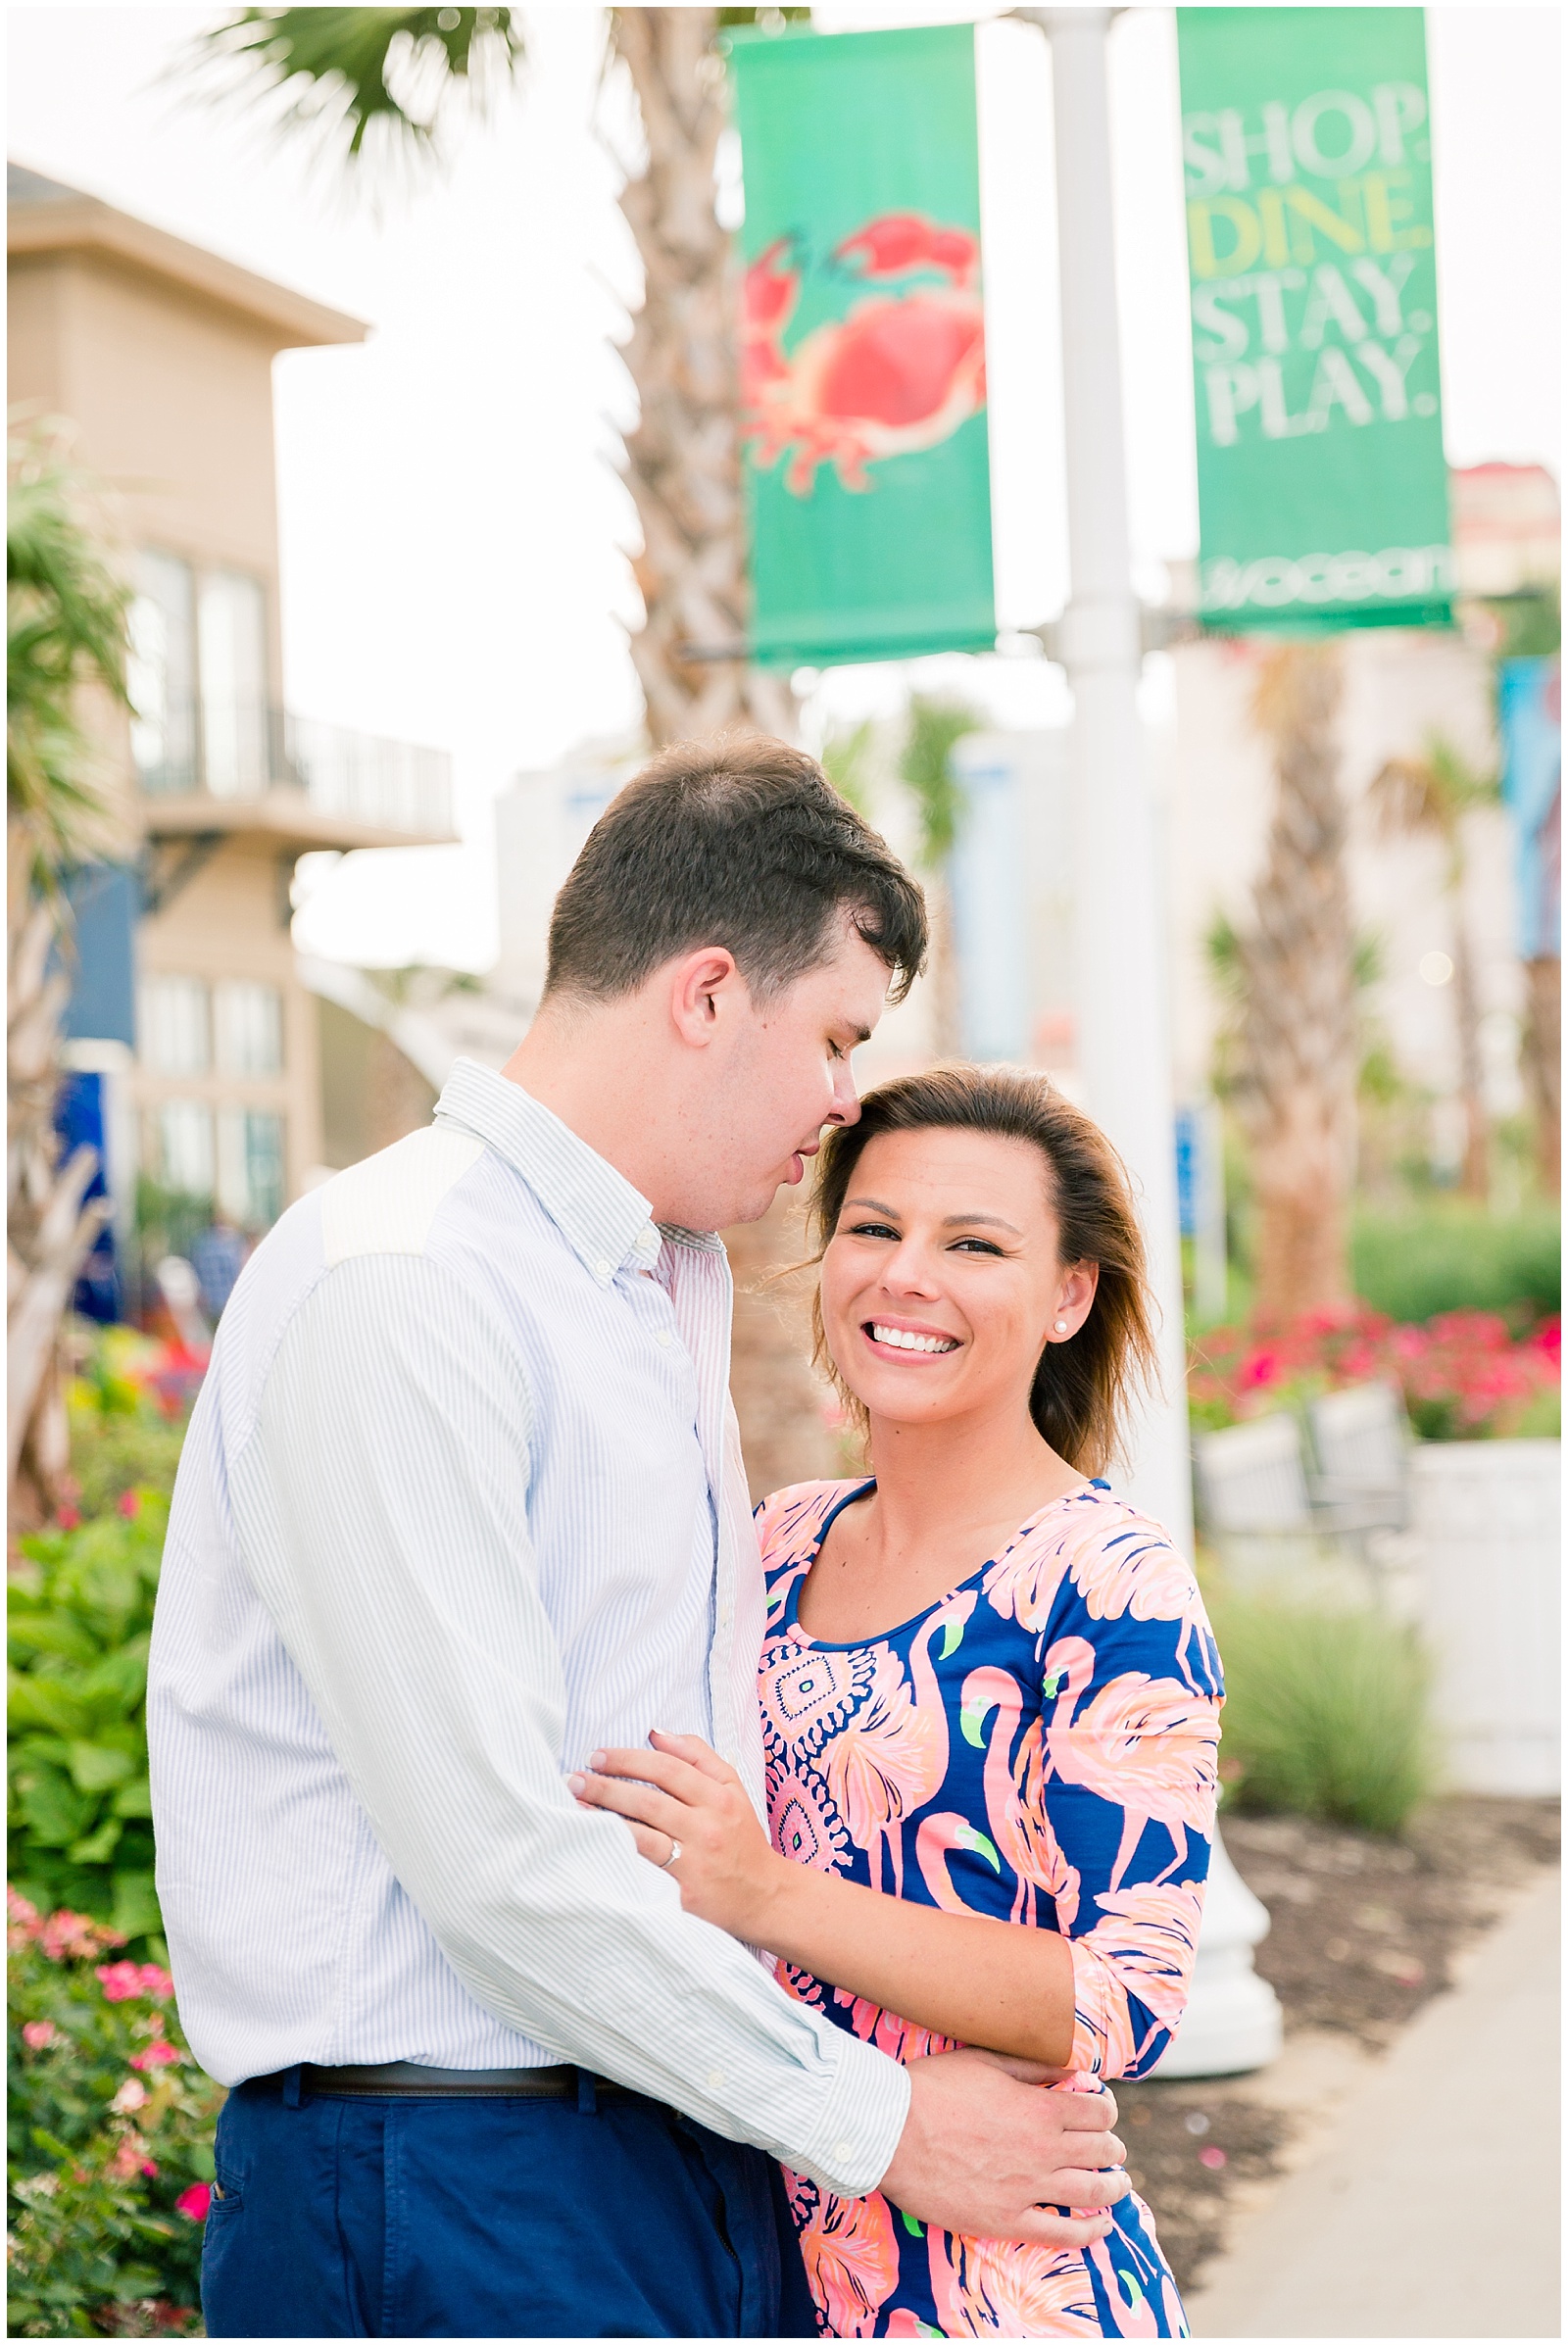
point(1457, 1257)
point(1325, 1712)
point(109, 2138)
point(79, 1809)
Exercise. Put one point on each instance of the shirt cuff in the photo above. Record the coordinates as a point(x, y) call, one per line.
point(860, 2121)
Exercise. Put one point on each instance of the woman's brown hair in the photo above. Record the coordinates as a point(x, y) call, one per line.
point(1082, 1388)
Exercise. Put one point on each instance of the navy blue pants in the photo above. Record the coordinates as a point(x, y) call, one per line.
point(608, 2216)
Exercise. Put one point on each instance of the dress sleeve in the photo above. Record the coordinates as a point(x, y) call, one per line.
point(1127, 1780)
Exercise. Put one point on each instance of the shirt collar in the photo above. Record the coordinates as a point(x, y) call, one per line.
point(602, 1218)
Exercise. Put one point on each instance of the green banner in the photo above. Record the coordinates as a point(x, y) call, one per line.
point(862, 354)
point(1322, 487)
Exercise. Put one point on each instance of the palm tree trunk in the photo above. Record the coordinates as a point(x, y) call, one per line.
point(684, 471)
point(1475, 1172)
point(50, 1230)
point(1297, 1093)
point(1542, 1067)
point(683, 458)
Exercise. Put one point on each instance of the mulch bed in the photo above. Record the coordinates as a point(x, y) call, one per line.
point(1364, 1932)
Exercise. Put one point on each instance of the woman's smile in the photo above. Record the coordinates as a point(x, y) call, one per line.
point(910, 1338)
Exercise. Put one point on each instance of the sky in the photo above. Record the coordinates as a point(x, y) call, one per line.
point(454, 531)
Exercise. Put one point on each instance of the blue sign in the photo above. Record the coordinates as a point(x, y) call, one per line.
point(79, 1121)
point(1530, 706)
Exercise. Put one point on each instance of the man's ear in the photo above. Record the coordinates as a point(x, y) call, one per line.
point(700, 982)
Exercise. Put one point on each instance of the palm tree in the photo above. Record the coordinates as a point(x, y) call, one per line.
point(925, 764)
point(65, 633)
point(383, 75)
point(1430, 798)
point(372, 76)
point(1296, 1061)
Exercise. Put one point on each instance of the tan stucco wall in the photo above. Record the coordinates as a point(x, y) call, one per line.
point(226, 923)
point(170, 398)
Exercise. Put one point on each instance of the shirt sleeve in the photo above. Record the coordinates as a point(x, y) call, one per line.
point(1130, 1730)
point(381, 1502)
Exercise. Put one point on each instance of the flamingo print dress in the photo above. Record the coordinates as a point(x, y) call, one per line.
point(1038, 1746)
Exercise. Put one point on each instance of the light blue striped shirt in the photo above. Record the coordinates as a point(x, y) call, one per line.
point(462, 1500)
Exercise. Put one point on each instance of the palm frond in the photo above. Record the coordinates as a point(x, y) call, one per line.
point(66, 628)
point(844, 755)
point(361, 66)
point(936, 726)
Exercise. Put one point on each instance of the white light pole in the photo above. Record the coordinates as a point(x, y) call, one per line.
point(1233, 2020)
point(1121, 982)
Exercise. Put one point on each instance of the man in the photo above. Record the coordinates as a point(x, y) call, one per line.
point(463, 1500)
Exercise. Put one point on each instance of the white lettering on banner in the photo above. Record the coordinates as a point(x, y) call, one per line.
point(1330, 297)
point(1386, 286)
point(1277, 581)
point(1329, 136)
point(1357, 150)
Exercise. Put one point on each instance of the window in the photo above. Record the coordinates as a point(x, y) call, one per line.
point(184, 1134)
point(249, 1166)
point(161, 674)
point(176, 1026)
point(231, 636)
point(248, 1028)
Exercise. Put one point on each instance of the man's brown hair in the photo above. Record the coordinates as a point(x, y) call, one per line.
point(741, 841)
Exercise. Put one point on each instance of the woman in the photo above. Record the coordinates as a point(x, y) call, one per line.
point(989, 1692)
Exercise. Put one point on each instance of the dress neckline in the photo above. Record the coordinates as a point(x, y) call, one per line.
point(792, 1624)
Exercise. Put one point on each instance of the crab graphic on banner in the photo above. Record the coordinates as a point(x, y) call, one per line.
point(862, 345)
point(899, 371)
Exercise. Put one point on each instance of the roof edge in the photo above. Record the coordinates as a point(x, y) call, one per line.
point(76, 222)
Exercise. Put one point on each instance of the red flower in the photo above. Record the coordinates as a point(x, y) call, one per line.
point(130, 1504)
point(68, 1518)
point(195, 2201)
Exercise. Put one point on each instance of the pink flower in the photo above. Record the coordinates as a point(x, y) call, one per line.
point(195, 2201)
point(68, 1519)
point(157, 2055)
point(133, 2094)
point(39, 2032)
point(130, 1504)
point(156, 1983)
point(121, 1980)
point(128, 2156)
point(75, 1937)
point(149, 2167)
point(20, 1915)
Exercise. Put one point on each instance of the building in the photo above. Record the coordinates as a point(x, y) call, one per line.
point(189, 1005)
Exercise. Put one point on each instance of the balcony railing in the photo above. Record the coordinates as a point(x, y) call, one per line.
point(241, 752)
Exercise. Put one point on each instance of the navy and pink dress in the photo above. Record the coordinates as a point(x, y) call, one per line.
point(1039, 1747)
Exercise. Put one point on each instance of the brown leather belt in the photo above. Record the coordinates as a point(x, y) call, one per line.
point(406, 2080)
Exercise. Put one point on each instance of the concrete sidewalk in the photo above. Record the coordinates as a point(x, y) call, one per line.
point(1431, 2208)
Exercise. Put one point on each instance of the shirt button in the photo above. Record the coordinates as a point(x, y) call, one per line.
point(843, 2151)
point(665, 1337)
point(602, 1270)
point(715, 2079)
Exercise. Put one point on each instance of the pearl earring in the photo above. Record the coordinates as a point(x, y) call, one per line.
point(1061, 1327)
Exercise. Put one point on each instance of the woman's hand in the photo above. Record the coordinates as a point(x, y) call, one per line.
point(682, 1794)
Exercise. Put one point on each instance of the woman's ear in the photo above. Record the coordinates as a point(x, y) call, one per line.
point(1075, 1296)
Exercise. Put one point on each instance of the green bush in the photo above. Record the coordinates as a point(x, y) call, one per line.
point(1457, 1257)
point(109, 2138)
point(1325, 1712)
point(79, 1809)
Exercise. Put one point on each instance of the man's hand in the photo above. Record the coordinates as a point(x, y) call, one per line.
point(984, 2151)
